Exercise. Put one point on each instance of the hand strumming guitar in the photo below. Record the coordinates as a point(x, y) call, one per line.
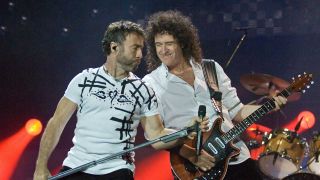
point(204, 161)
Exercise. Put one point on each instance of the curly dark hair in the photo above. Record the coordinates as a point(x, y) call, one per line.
point(177, 25)
point(117, 32)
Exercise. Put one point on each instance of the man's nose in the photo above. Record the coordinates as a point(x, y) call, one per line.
point(139, 54)
point(164, 49)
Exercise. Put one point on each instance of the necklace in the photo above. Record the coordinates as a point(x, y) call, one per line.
point(105, 70)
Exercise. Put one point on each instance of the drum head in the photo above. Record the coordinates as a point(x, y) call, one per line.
point(302, 176)
point(315, 167)
point(280, 169)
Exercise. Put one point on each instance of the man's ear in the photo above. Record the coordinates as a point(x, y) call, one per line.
point(114, 46)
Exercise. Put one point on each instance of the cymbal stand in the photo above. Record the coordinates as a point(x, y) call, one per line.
point(237, 47)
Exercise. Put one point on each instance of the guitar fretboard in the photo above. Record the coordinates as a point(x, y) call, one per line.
point(261, 111)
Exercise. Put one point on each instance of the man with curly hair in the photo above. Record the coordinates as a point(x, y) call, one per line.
point(174, 61)
point(110, 102)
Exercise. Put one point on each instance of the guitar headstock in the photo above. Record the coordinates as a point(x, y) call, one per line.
point(301, 82)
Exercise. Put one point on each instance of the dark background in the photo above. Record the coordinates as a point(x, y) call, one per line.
point(44, 44)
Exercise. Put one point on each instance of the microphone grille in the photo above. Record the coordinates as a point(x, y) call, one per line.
point(202, 110)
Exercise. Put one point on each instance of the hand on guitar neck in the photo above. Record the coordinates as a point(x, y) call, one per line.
point(280, 102)
point(248, 109)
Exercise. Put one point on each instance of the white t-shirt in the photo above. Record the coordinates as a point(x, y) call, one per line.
point(179, 101)
point(109, 112)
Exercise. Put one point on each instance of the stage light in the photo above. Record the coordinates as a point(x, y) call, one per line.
point(308, 119)
point(33, 127)
point(304, 121)
point(13, 147)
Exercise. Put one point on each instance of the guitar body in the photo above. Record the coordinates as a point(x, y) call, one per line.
point(185, 170)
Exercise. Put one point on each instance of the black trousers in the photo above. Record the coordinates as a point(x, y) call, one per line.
point(247, 170)
point(121, 174)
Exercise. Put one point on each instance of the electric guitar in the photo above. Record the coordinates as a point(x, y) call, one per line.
point(220, 145)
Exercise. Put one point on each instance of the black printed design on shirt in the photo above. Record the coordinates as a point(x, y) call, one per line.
point(127, 98)
point(98, 82)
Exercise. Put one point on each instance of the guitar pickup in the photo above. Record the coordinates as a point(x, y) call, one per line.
point(220, 143)
point(212, 148)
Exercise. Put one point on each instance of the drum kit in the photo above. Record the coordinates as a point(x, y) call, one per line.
point(285, 155)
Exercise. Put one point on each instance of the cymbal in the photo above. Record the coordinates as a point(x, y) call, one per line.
point(266, 85)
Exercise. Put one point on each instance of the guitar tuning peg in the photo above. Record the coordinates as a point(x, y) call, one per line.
point(304, 73)
point(308, 87)
point(312, 82)
point(292, 78)
point(299, 75)
point(303, 91)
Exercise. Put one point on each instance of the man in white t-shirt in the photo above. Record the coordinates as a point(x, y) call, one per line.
point(174, 62)
point(110, 102)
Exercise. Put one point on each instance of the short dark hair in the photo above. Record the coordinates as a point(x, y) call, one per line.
point(117, 32)
point(177, 25)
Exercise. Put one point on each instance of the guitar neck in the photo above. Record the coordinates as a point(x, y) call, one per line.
point(261, 111)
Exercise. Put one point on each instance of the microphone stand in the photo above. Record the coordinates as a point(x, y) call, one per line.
point(237, 47)
point(167, 138)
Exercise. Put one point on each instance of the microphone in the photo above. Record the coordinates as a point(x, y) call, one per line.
point(201, 115)
point(202, 111)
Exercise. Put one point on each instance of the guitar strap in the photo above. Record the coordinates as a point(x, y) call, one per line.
point(210, 75)
point(211, 78)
